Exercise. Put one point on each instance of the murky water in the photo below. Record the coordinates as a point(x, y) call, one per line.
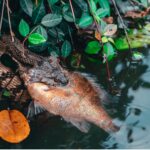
point(130, 109)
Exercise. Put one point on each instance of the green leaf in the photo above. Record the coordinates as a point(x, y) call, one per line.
point(137, 56)
point(85, 20)
point(27, 6)
point(53, 49)
point(36, 38)
point(93, 6)
point(103, 24)
point(82, 5)
point(42, 31)
point(66, 49)
point(38, 13)
point(144, 2)
point(93, 47)
point(6, 93)
point(101, 12)
point(105, 5)
point(104, 39)
point(67, 14)
point(56, 33)
point(109, 51)
point(51, 20)
point(147, 27)
point(24, 28)
point(52, 2)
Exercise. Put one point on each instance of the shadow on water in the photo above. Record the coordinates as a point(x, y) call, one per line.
point(130, 110)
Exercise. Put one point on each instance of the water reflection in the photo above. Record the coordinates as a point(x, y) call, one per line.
point(133, 107)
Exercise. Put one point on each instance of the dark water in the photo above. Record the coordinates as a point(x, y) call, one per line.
point(130, 109)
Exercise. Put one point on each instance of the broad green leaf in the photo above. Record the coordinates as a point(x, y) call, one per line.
point(67, 14)
point(56, 33)
point(56, 9)
point(101, 12)
point(42, 31)
point(6, 93)
point(137, 56)
point(38, 48)
point(82, 5)
point(51, 20)
point(109, 51)
point(105, 5)
point(147, 27)
point(144, 2)
point(24, 28)
point(52, 2)
point(66, 49)
point(36, 38)
point(93, 6)
point(104, 39)
point(85, 21)
point(38, 13)
point(103, 24)
point(27, 6)
point(93, 47)
point(54, 50)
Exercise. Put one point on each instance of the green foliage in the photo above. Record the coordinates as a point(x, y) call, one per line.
point(85, 21)
point(105, 5)
point(36, 38)
point(55, 27)
point(6, 93)
point(109, 51)
point(38, 13)
point(101, 12)
point(42, 31)
point(24, 28)
point(144, 2)
point(52, 2)
point(137, 56)
point(66, 49)
point(51, 20)
point(67, 14)
point(93, 47)
point(27, 6)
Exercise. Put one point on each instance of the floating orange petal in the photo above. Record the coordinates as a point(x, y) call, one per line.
point(14, 127)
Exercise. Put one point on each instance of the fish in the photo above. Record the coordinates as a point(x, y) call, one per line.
point(79, 102)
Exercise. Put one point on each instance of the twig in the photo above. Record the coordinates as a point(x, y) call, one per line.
point(73, 15)
point(124, 27)
point(71, 38)
point(9, 21)
point(36, 2)
point(30, 34)
point(2, 14)
point(8, 8)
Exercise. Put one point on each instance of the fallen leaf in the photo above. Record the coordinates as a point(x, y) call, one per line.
point(98, 35)
point(110, 30)
point(14, 127)
point(137, 14)
point(108, 20)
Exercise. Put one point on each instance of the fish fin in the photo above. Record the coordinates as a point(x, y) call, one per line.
point(34, 109)
point(82, 125)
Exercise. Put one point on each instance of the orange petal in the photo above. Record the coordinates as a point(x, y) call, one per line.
point(14, 127)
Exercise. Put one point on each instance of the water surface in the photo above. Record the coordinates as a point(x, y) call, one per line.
point(130, 109)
